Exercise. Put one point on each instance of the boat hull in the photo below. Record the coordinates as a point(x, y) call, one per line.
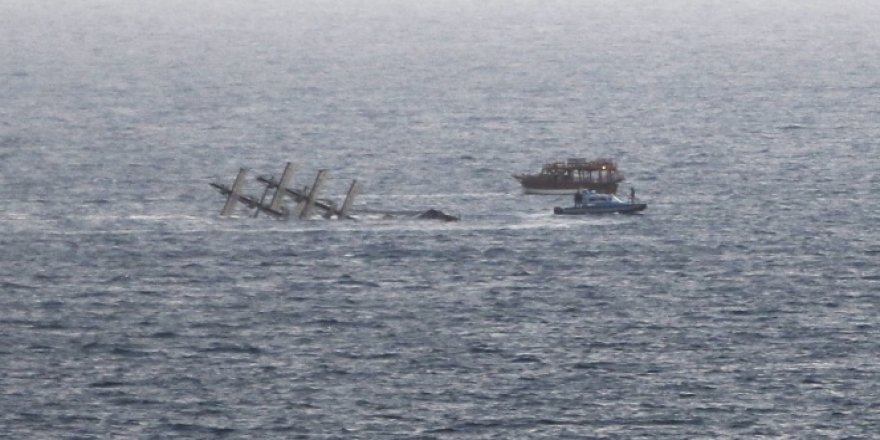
point(629, 208)
point(605, 189)
point(537, 185)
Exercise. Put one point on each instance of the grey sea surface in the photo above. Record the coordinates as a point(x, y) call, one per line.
point(743, 303)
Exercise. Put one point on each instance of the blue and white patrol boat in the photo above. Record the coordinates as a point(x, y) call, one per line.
point(592, 202)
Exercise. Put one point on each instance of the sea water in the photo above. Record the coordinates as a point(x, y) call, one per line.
point(742, 303)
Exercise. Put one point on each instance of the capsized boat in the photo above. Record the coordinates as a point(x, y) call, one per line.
point(599, 175)
point(592, 202)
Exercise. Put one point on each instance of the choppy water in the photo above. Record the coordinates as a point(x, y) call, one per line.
point(743, 303)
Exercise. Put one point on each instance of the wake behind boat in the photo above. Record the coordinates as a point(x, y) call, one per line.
point(591, 202)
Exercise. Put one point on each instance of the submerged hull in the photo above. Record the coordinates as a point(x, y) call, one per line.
point(629, 208)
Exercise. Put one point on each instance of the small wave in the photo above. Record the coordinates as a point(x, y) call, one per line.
point(593, 366)
point(98, 347)
point(526, 358)
point(554, 422)
point(52, 304)
point(482, 349)
point(107, 384)
point(375, 356)
point(326, 322)
point(134, 401)
point(394, 417)
point(347, 280)
point(187, 428)
point(381, 356)
point(128, 352)
point(11, 285)
point(118, 279)
point(46, 277)
point(51, 325)
point(441, 431)
point(792, 127)
point(496, 252)
point(226, 348)
point(667, 422)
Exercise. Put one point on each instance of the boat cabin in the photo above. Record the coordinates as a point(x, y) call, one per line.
point(591, 197)
point(582, 170)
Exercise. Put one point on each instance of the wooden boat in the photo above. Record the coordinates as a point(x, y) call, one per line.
point(600, 175)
